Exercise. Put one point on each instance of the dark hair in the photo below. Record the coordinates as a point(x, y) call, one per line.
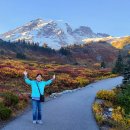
point(39, 74)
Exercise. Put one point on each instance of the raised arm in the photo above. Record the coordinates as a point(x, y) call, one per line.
point(50, 81)
point(26, 79)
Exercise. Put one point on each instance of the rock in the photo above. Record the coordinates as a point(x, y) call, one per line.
point(54, 95)
point(110, 109)
point(100, 101)
point(105, 116)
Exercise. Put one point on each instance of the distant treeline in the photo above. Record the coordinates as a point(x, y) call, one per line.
point(20, 46)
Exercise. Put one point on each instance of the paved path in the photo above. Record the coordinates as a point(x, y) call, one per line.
point(71, 111)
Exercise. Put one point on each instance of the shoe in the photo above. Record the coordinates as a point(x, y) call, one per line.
point(39, 122)
point(34, 122)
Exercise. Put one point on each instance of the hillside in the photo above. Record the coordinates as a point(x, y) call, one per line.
point(121, 43)
point(94, 53)
point(75, 54)
point(117, 42)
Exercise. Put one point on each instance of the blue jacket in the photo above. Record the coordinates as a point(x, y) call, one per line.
point(33, 83)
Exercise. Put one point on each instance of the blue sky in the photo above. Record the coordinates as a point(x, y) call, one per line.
point(107, 16)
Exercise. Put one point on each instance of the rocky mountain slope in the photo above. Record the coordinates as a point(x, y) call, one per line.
point(54, 33)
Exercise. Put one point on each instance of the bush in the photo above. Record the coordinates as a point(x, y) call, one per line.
point(109, 95)
point(97, 108)
point(107, 104)
point(64, 51)
point(10, 99)
point(123, 99)
point(22, 104)
point(2, 52)
point(119, 118)
point(82, 81)
point(20, 56)
point(5, 112)
point(98, 111)
point(1, 104)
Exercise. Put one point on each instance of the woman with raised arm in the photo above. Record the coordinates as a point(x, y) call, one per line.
point(37, 87)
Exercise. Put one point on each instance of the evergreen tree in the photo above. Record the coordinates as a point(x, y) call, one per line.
point(126, 73)
point(103, 65)
point(20, 56)
point(2, 52)
point(119, 66)
point(64, 51)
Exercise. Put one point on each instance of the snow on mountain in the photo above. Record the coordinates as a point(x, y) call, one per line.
point(55, 33)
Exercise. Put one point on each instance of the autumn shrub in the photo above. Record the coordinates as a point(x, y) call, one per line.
point(23, 97)
point(67, 76)
point(82, 81)
point(118, 114)
point(5, 112)
point(98, 111)
point(119, 100)
point(109, 95)
point(107, 104)
point(50, 90)
point(10, 99)
point(118, 117)
point(21, 104)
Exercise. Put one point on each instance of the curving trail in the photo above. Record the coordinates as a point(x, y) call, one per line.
point(72, 111)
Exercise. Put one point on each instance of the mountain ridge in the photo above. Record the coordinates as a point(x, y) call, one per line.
point(55, 33)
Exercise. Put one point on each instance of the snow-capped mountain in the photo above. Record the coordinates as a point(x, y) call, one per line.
point(54, 33)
